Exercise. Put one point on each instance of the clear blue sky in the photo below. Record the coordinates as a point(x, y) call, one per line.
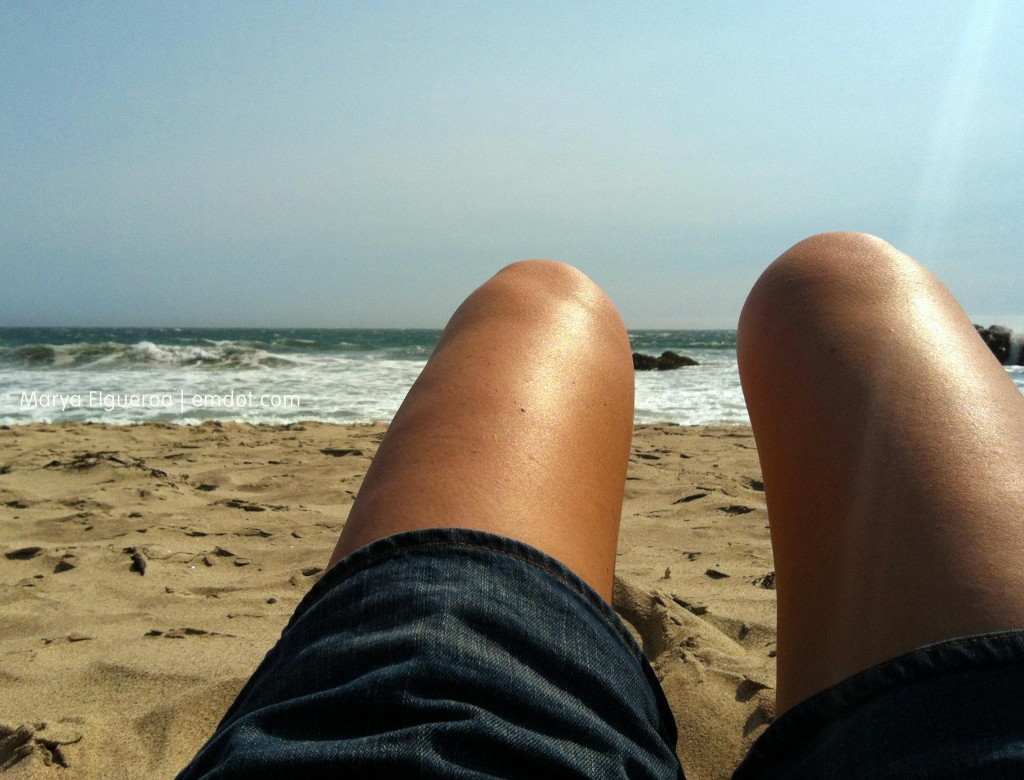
point(368, 164)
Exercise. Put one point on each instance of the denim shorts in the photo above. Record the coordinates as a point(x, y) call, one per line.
point(954, 709)
point(448, 653)
point(452, 653)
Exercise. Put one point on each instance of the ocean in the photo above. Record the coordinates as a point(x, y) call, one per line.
point(191, 375)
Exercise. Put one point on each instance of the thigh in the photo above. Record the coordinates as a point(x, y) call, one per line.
point(520, 425)
point(892, 445)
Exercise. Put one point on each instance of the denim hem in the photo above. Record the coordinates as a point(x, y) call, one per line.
point(815, 715)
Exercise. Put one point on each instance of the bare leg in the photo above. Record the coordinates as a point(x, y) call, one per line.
point(520, 424)
point(892, 445)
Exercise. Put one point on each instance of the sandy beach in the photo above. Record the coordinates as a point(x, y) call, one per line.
point(147, 569)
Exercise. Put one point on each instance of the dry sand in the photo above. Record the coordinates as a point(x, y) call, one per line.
point(145, 571)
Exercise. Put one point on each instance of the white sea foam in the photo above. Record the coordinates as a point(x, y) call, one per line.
point(706, 394)
point(330, 386)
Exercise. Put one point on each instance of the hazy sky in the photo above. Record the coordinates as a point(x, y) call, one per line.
point(368, 164)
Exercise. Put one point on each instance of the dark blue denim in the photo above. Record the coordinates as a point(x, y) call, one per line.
point(448, 654)
point(457, 654)
point(950, 710)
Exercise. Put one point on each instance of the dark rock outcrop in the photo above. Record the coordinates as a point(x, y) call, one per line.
point(666, 362)
point(670, 360)
point(997, 338)
point(1008, 348)
point(643, 362)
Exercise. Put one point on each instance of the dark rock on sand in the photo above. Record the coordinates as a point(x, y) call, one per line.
point(666, 362)
point(138, 560)
point(736, 509)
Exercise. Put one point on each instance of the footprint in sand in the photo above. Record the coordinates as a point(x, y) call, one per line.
point(42, 740)
point(721, 691)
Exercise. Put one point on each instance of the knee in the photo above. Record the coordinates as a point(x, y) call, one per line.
point(836, 260)
point(560, 287)
point(549, 278)
point(829, 274)
point(831, 253)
